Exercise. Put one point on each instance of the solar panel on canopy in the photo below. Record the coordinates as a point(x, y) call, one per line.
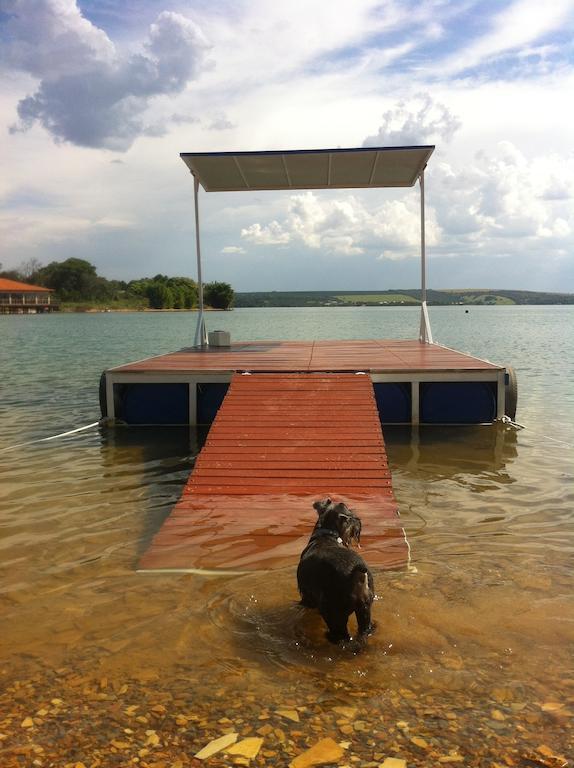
point(308, 169)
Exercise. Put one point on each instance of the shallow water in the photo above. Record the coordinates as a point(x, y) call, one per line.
point(472, 660)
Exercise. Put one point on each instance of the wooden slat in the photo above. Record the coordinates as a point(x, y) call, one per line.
point(277, 444)
point(311, 465)
point(371, 355)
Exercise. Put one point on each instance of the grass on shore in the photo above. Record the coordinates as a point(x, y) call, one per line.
point(376, 298)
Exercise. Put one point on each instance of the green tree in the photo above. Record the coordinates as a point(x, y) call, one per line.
point(11, 274)
point(138, 287)
point(185, 292)
point(181, 291)
point(72, 279)
point(218, 295)
point(159, 295)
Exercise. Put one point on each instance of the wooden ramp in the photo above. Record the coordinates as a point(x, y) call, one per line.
point(278, 443)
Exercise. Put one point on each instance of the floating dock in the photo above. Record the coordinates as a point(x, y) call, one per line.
point(413, 382)
point(278, 443)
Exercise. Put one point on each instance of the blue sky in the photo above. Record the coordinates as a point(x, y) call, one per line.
point(98, 98)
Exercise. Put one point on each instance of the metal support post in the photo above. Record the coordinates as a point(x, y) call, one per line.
point(200, 331)
point(425, 333)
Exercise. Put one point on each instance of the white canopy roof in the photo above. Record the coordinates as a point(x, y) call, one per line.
point(308, 168)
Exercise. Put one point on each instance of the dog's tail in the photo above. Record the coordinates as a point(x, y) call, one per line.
point(360, 583)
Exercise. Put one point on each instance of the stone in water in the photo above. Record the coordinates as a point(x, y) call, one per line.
point(324, 751)
point(216, 745)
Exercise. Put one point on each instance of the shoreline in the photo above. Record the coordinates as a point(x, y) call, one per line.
point(97, 311)
point(466, 307)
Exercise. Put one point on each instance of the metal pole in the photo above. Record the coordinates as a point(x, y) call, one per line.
point(200, 332)
point(425, 333)
point(423, 244)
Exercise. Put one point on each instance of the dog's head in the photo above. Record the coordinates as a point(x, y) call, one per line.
point(336, 516)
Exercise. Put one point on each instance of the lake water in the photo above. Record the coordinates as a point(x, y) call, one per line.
point(472, 661)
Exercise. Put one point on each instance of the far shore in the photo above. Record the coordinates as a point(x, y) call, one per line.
point(99, 310)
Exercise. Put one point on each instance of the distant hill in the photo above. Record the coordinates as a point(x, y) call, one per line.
point(397, 298)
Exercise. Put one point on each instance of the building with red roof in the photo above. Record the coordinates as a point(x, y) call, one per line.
point(23, 299)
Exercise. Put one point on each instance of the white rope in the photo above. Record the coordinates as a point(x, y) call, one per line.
point(555, 440)
point(52, 437)
point(507, 420)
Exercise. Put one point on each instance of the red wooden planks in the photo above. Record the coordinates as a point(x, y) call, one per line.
point(372, 355)
point(278, 443)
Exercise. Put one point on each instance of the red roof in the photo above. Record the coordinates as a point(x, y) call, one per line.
point(13, 286)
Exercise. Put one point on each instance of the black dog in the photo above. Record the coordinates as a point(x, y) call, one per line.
point(331, 576)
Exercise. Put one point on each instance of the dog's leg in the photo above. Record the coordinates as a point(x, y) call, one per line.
point(362, 592)
point(338, 635)
point(364, 623)
point(336, 623)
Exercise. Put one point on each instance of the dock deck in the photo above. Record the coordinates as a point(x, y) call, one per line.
point(277, 444)
point(414, 382)
point(371, 355)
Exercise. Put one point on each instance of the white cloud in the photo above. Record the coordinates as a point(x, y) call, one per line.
point(418, 121)
point(19, 230)
point(270, 234)
point(89, 94)
point(347, 226)
point(221, 123)
point(344, 245)
point(496, 203)
point(51, 39)
point(499, 202)
point(270, 40)
point(182, 119)
point(233, 249)
point(512, 29)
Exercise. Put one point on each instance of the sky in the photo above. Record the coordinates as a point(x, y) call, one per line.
point(99, 97)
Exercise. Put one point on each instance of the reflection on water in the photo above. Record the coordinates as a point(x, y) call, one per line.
point(447, 452)
point(472, 656)
point(167, 455)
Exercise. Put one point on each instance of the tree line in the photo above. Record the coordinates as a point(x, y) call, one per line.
point(396, 297)
point(76, 280)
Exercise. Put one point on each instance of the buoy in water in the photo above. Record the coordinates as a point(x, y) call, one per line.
point(510, 393)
